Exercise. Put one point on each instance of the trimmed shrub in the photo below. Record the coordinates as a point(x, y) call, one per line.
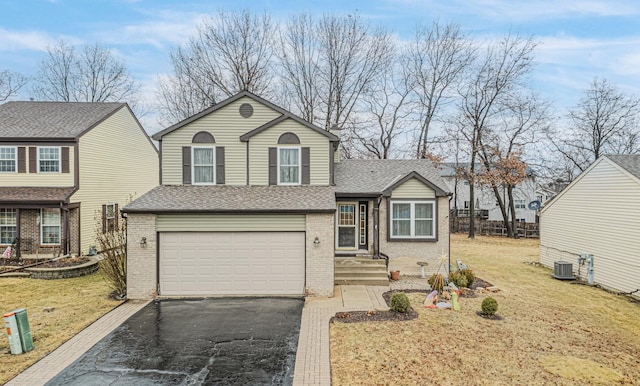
point(458, 279)
point(436, 281)
point(489, 306)
point(469, 275)
point(400, 302)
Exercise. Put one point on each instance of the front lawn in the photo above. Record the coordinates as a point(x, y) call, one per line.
point(551, 332)
point(75, 304)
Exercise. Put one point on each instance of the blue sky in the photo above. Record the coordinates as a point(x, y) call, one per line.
point(579, 39)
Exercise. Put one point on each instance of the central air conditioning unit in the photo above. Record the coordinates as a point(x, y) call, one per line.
point(563, 270)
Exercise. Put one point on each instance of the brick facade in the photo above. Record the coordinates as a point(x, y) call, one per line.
point(320, 258)
point(30, 232)
point(141, 262)
point(420, 250)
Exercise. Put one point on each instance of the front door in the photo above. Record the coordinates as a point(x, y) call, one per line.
point(347, 226)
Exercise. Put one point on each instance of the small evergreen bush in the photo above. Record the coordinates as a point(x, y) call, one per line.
point(469, 275)
point(489, 306)
point(400, 302)
point(458, 279)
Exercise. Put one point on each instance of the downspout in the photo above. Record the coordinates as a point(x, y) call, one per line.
point(376, 229)
point(449, 225)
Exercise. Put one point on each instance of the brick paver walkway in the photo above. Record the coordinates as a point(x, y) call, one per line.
point(48, 367)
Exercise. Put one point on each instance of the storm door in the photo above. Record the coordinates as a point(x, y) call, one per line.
point(347, 225)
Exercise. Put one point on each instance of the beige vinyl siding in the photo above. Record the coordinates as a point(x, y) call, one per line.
point(413, 188)
point(259, 152)
point(117, 163)
point(599, 214)
point(229, 222)
point(41, 179)
point(226, 125)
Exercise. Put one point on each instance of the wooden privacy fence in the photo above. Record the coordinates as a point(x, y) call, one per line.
point(492, 228)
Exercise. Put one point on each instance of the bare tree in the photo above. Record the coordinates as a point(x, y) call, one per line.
point(91, 74)
point(385, 114)
point(10, 83)
point(436, 59)
point(502, 68)
point(604, 121)
point(230, 53)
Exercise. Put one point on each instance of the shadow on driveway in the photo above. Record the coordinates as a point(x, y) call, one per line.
point(196, 342)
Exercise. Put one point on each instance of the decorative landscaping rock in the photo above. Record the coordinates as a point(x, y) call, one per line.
point(65, 272)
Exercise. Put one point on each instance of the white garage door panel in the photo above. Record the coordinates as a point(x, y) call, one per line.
point(232, 263)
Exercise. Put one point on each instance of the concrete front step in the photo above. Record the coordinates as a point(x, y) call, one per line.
point(360, 281)
point(361, 275)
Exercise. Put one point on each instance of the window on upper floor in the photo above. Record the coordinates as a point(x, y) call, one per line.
point(48, 160)
point(203, 163)
point(8, 159)
point(7, 226)
point(50, 226)
point(519, 204)
point(289, 169)
point(413, 220)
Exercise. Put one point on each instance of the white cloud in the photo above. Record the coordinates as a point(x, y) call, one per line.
point(25, 40)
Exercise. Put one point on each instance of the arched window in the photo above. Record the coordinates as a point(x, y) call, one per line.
point(288, 139)
point(203, 137)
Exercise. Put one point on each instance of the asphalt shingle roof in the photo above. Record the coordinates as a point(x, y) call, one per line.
point(24, 194)
point(226, 198)
point(630, 163)
point(374, 176)
point(52, 119)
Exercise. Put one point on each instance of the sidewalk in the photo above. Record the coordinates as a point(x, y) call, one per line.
point(48, 367)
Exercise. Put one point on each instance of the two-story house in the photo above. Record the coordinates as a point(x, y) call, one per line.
point(65, 169)
point(256, 201)
point(486, 206)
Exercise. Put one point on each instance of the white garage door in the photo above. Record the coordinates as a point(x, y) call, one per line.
point(232, 263)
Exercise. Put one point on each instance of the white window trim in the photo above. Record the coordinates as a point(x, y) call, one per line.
point(412, 219)
point(193, 165)
point(42, 224)
point(299, 166)
point(107, 217)
point(15, 158)
point(59, 159)
point(15, 226)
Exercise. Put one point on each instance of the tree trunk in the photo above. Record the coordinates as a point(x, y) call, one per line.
point(513, 212)
point(503, 211)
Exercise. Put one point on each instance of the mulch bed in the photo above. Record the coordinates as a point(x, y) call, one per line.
point(392, 316)
point(61, 263)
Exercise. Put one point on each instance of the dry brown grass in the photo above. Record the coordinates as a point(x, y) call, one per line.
point(77, 303)
point(552, 332)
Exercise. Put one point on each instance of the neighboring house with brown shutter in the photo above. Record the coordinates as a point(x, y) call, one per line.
point(256, 201)
point(65, 169)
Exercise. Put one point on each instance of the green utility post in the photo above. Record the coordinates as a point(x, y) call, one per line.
point(24, 330)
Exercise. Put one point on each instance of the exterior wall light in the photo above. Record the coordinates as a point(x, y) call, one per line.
point(143, 242)
point(316, 242)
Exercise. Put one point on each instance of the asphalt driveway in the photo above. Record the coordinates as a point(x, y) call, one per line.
point(196, 342)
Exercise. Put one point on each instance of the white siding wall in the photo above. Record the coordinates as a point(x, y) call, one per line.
point(600, 215)
point(226, 125)
point(259, 150)
point(117, 162)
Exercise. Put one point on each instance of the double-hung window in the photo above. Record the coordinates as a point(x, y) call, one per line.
point(413, 219)
point(50, 226)
point(8, 160)
point(519, 204)
point(7, 226)
point(204, 165)
point(110, 217)
point(48, 160)
point(289, 170)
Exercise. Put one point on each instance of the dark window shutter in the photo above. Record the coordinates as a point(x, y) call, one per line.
point(186, 165)
point(220, 165)
point(104, 219)
point(22, 160)
point(305, 166)
point(273, 166)
point(65, 159)
point(116, 215)
point(33, 160)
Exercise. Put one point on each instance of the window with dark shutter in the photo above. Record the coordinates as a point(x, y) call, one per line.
point(65, 159)
point(220, 165)
point(186, 165)
point(273, 166)
point(306, 166)
point(22, 160)
point(33, 160)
